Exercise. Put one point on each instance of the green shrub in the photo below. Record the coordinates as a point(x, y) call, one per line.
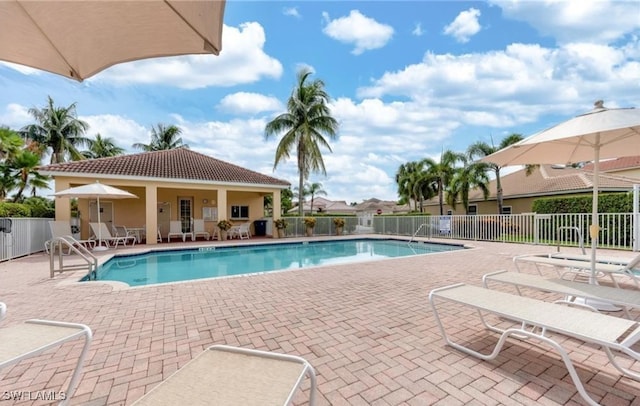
point(40, 207)
point(14, 210)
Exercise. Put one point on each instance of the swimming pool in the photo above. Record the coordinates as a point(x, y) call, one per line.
point(210, 262)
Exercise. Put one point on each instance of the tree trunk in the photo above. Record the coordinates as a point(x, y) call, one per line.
point(499, 191)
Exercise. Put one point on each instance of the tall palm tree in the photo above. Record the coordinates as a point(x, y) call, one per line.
point(305, 125)
point(102, 148)
point(163, 137)
point(58, 128)
point(442, 172)
point(314, 189)
point(481, 149)
point(10, 142)
point(472, 175)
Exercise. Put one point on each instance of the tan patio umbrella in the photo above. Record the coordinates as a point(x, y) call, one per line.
point(599, 134)
point(78, 39)
point(96, 191)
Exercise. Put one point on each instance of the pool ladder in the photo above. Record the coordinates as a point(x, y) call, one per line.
point(417, 231)
point(88, 260)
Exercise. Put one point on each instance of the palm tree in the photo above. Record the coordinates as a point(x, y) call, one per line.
point(414, 183)
point(163, 138)
point(57, 128)
point(23, 166)
point(314, 189)
point(470, 176)
point(10, 142)
point(102, 148)
point(442, 172)
point(481, 149)
point(305, 124)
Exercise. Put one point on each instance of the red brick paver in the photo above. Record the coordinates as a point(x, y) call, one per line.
point(367, 329)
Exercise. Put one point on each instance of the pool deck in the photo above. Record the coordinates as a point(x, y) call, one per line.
point(367, 328)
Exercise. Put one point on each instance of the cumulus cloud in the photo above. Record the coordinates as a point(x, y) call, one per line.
point(567, 21)
point(291, 11)
point(464, 26)
point(249, 103)
point(121, 129)
point(241, 61)
point(357, 29)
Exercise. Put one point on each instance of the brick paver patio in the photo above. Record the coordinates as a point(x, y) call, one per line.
point(367, 329)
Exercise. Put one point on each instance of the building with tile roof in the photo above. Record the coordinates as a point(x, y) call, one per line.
point(520, 190)
point(177, 184)
point(626, 166)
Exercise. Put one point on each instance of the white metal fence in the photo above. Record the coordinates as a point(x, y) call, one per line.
point(617, 230)
point(27, 235)
point(22, 236)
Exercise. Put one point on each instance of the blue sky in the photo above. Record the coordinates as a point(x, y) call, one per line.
point(407, 80)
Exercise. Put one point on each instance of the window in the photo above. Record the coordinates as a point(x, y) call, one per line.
point(449, 212)
point(239, 212)
point(506, 209)
point(473, 209)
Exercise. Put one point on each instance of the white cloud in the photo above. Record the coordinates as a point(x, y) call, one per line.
point(124, 131)
point(15, 116)
point(602, 21)
point(249, 103)
point(417, 31)
point(464, 26)
point(25, 70)
point(241, 61)
point(291, 11)
point(364, 32)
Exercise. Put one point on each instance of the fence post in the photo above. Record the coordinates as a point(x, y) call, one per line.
point(636, 218)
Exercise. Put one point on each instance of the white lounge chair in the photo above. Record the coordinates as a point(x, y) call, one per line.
point(62, 228)
point(573, 265)
point(229, 376)
point(32, 337)
point(198, 229)
point(122, 231)
point(241, 231)
point(536, 320)
point(103, 235)
point(175, 230)
point(592, 293)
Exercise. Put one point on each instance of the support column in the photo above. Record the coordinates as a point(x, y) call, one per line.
point(222, 205)
point(63, 204)
point(277, 211)
point(151, 214)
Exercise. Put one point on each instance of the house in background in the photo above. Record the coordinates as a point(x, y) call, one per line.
point(325, 206)
point(627, 166)
point(177, 184)
point(378, 206)
point(520, 190)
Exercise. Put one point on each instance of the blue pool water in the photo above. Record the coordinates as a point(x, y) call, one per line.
point(180, 265)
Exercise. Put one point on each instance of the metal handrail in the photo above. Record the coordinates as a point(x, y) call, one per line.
point(580, 238)
point(77, 248)
point(417, 231)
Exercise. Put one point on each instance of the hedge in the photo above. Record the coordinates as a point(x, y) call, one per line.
point(607, 203)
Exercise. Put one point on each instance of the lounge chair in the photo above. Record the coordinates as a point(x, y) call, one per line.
point(103, 235)
point(32, 337)
point(175, 230)
point(123, 231)
point(62, 228)
point(573, 265)
point(198, 229)
point(627, 298)
point(241, 231)
point(536, 320)
point(229, 376)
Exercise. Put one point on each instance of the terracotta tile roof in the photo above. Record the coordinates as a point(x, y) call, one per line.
point(627, 162)
point(548, 180)
point(174, 164)
point(551, 180)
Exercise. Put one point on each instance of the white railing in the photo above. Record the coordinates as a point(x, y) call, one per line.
point(27, 236)
point(616, 229)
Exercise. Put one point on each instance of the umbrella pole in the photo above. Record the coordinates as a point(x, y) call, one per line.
point(99, 247)
point(594, 229)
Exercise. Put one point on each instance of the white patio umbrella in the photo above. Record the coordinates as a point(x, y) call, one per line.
point(96, 191)
point(599, 134)
point(78, 39)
